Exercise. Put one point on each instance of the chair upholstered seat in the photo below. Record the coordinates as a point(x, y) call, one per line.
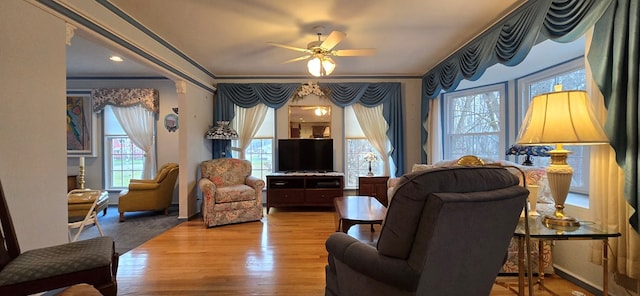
point(58, 260)
point(230, 193)
point(235, 193)
point(93, 261)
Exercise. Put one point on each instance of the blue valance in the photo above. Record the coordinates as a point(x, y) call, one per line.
point(510, 40)
point(276, 95)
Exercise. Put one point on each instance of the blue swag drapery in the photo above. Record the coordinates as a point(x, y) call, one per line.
point(276, 95)
point(613, 57)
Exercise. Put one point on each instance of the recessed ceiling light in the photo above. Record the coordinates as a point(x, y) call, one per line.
point(116, 58)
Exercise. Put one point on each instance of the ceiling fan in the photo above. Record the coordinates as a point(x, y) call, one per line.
point(319, 52)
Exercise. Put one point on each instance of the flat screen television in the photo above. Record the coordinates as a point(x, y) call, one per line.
point(305, 155)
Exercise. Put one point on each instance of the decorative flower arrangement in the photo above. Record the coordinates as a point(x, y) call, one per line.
point(309, 88)
point(370, 157)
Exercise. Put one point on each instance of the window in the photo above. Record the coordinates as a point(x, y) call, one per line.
point(357, 146)
point(473, 122)
point(260, 154)
point(571, 76)
point(123, 160)
point(260, 149)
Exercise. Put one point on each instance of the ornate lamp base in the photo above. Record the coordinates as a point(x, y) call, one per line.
point(370, 173)
point(551, 221)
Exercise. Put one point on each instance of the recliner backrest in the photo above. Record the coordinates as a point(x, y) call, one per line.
point(407, 214)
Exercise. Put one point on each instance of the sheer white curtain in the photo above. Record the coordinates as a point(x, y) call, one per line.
point(606, 195)
point(247, 122)
point(433, 125)
point(137, 123)
point(375, 129)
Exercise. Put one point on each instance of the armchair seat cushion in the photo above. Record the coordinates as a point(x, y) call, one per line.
point(58, 260)
point(235, 193)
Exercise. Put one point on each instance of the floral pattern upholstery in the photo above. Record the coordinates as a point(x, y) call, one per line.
point(230, 193)
point(533, 176)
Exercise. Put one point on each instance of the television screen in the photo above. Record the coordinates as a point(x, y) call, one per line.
point(305, 155)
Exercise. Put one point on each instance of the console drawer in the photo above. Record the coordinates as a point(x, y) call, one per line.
point(286, 196)
point(321, 196)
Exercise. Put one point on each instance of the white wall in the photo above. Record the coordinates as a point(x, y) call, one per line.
point(198, 109)
point(32, 109)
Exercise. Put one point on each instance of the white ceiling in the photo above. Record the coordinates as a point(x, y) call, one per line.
point(229, 38)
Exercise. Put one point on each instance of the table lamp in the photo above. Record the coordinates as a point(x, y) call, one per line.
point(222, 132)
point(558, 118)
point(529, 151)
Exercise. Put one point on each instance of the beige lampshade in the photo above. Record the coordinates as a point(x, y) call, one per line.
point(561, 117)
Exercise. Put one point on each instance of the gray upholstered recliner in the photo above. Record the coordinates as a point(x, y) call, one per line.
point(446, 233)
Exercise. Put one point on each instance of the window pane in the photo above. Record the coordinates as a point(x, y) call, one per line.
point(356, 165)
point(260, 154)
point(473, 123)
point(125, 162)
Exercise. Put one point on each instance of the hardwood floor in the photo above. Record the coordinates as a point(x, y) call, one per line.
point(284, 254)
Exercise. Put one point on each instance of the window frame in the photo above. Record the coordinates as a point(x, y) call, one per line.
point(446, 115)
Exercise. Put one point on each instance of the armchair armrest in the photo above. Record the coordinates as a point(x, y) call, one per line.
point(142, 181)
point(143, 186)
point(207, 187)
point(365, 259)
point(255, 183)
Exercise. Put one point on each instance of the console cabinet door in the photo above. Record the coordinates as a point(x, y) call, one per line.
point(374, 186)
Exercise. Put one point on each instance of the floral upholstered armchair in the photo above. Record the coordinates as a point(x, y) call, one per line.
point(230, 193)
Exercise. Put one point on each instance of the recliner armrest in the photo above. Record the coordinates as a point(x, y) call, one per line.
point(366, 260)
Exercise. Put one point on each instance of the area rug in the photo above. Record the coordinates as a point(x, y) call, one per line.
point(138, 227)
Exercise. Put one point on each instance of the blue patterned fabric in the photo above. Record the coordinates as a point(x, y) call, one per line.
point(57, 260)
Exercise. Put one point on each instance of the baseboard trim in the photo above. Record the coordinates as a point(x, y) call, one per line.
point(591, 289)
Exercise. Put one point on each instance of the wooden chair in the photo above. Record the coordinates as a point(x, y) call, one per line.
point(90, 218)
point(92, 261)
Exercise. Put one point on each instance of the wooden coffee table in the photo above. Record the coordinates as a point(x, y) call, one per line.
point(352, 210)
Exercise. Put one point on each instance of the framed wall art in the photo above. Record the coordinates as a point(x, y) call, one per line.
point(81, 125)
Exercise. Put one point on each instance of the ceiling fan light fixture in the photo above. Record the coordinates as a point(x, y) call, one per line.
point(328, 65)
point(314, 66)
point(320, 65)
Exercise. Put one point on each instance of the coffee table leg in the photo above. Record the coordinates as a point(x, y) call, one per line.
point(345, 225)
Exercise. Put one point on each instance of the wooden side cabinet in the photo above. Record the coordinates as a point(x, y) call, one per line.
point(374, 186)
point(72, 183)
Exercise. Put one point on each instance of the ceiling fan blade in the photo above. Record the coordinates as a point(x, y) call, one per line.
point(354, 52)
point(288, 47)
point(332, 40)
point(297, 59)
